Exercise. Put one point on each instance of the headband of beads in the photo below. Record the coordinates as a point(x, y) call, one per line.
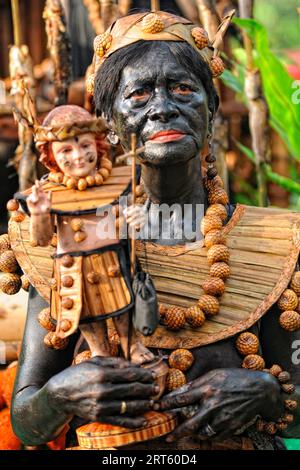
point(157, 26)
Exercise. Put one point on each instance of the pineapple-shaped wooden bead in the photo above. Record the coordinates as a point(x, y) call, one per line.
point(90, 83)
point(217, 67)
point(44, 319)
point(10, 283)
point(102, 43)
point(194, 316)
point(82, 357)
point(181, 359)
point(25, 282)
point(253, 362)
point(220, 270)
point(247, 343)
point(17, 216)
point(275, 370)
point(295, 283)
point(175, 318)
point(82, 184)
point(214, 286)
point(53, 341)
point(214, 237)
point(218, 195)
point(290, 320)
point(270, 428)
point(290, 405)
point(8, 262)
point(152, 24)
point(4, 243)
point(98, 179)
point(288, 418)
point(218, 253)
point(288, 388)
point(288, 300)
point(211, 184)
point(209, 304)
point(162, 309)
point(104, 173)
point(175, 379)
point(200, 37)
point(217, 210)
point(281, 426)
point(210, 222)
point(284, 377)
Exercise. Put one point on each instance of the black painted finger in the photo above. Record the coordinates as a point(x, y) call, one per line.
point(128, 375)
point(180, 400)
point(125, 421)
point(132, 390)
point(115, 362)
point(133, 407)
point(191, 426)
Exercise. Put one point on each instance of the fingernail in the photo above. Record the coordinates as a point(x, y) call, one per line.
point(152, 403)
point(156, 407)
point(154, 375)
point(170, 439)
point(156, 388)
point(144, 424)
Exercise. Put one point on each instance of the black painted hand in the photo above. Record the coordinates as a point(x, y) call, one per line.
point(95, 390)
point(228, 399)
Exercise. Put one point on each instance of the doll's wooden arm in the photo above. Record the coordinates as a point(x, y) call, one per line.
point(41, 221)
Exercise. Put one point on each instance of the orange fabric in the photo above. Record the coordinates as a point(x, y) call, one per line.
point(60, 442)
point(8, 440)
point(2, 401)
point(8, 383)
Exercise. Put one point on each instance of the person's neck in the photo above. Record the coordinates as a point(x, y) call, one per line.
point(180, 183)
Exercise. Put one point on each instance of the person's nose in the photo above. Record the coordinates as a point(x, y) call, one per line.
point(162, 108)
point(77, 155)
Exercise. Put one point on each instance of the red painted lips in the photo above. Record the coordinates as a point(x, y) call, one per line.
point(167, 136)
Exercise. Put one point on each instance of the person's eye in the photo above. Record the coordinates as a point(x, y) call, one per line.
point(86, 145)
point(66, 150)
point(182, 89)
point(140, 94)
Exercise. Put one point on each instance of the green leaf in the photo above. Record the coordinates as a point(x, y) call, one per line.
point(282, 181)
point(279, 87)
point(248, 152)
point(233, 81)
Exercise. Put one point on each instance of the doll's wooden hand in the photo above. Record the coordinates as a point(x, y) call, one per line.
point(227, 400)
point(95, 390)
point(39, 202)
point(135, 216)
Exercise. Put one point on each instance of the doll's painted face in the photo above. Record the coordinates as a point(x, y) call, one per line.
point(76, 157)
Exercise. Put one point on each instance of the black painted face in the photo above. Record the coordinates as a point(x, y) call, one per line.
point(165, 105)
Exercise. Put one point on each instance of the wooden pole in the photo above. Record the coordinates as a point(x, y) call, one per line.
point(155, 5)
point(133, 186)
point(16, 22)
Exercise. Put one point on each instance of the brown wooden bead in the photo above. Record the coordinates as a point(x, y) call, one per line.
point(90, 84)
point(253, 362)
point(98, 180)
point(113, 271)
point(295, 283)
point(76, 224)
point(288, 300)
point(67, 303)
point(90, 181)
point(102, 43)
point(82, 184)
point(214, 286)
point(10, 283)
point(65, 325)
point(12, 205)
point(175, 318)
point(284, 377)
point(288, 388)
point(82, 357)
point(290, 320)
point(67, 261)
point(218, 196)
point(52, 341)
point(200, 37)
point(44, 319)
point(17, 216)
point(67, 281)
point(247, 343)
point(71, 183)
point(25, 282)
point(217, 67)
point(218, 253)
point(4, 243)
point(217, 210)
point(93, 278)
point(209, 304)
point(287, 418)
point(152, 24)
point(194, 316)
point(281, 426)
point(214, 237)
point(290, 405)
point(8, 262)
point(220, 270)
point(175, 379)
point(181, 359)
point(104, 173)
point(210, 222)
point(80, 236)
point(275, 370)
point(210, 158)
point(270, 428)
point(162, 309)
point(107, 164)
point(212, 172)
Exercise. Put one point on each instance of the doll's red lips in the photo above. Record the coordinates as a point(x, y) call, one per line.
point(167, 136)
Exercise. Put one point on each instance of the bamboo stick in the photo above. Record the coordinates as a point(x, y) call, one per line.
point(16, 22)
point(133, 183)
